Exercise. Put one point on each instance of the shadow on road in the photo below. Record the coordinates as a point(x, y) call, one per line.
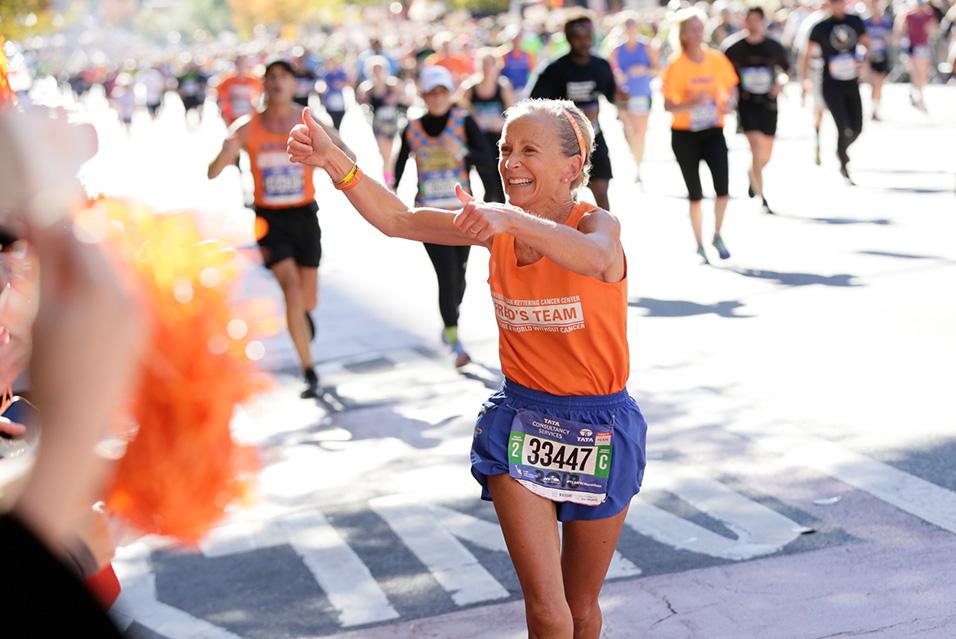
point(800, 279)
point(901, 256)
point(842, 221)
point(684, 308)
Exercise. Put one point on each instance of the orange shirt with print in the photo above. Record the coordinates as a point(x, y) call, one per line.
point(237, 96)
point(684, 80)
point(559, 331)
point(278, 182)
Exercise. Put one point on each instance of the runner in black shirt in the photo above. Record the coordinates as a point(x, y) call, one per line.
point(836, 39)
point(758, 61)
point(445, 141)
point(582, 78)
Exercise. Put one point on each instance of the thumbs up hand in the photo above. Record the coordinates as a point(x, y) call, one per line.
point(481, 221)
point(308, 142)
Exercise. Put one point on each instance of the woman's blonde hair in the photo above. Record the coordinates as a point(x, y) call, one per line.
point(682, 18)
point(561, 110)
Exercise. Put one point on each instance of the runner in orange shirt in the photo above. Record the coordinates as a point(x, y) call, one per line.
point(700, 88)
point(543, 444)
point(238, 94)
point(461, 66)
point(285, 206)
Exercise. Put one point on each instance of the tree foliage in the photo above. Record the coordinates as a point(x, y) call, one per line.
point(21, 19)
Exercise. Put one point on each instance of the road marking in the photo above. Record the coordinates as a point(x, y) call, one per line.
point(423, 529)
point(138, 602)
point(759, 530)
point(345, 579)
point(338, 570)
point(489, 535)
point(918, 497)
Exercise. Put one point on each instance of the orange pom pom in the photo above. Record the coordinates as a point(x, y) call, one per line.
point(182, 469)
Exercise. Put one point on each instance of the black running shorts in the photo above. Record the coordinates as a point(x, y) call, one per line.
point(291, 233)
point(600, 159)
point(755, 116)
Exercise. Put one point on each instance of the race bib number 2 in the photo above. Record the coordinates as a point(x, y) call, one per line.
point(559, 459)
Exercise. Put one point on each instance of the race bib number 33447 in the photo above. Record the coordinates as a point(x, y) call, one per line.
point(560, 459)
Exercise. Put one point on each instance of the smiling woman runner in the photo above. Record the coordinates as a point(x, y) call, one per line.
point(562, 440)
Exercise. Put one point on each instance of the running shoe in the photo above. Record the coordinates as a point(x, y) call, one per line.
point(846, 175)
point(721, 247)
point(311, 323)
point(311, 384)
point(462, 358)
point(766, 207)
point(703, 254)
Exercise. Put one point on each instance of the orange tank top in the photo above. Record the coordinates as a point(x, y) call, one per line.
point(559, 332)
point(279, 183)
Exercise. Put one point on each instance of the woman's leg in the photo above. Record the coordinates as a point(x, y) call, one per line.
point(385, 150)
point(586, 554)
point(640, 134)
point(686, 147)
point(530, 527)
point(449, 269)
point(715, 155)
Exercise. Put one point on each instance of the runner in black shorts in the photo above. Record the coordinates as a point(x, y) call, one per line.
point(758, 61)
point(879, 27)
point(293, 232)
point(287, 227)
point(836, 39)
point(582, 78)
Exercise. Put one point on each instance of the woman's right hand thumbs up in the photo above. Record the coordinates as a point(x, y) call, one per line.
point(308, 142)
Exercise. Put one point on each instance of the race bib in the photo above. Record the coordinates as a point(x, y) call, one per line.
point(639, 104)
point(241, 107)
point(559, 459)
point(334, 102)
point(387, 113)
point(282, 183)
point(843, 67)
point(488, 115)
point(704, 116)
point(757, 80)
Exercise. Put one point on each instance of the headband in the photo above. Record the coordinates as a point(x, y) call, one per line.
point(577, 133)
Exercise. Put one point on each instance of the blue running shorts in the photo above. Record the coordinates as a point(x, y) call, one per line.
point(489, 449)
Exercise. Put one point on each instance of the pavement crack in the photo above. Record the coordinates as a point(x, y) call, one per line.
point(860, 633)
point(670, 607)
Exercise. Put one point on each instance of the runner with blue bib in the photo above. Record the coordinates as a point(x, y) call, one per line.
point(286, 227)
point(635, 62)
point(488, 94)
point(444, 142)
point(562, 441)
point(331, 90)
point(761, 62)
point(879, 27)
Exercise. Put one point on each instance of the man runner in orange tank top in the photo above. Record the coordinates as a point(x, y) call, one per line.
point(287, 227)
point(562, 441)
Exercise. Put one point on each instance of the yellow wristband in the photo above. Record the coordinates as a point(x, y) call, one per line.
point(348, 177)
